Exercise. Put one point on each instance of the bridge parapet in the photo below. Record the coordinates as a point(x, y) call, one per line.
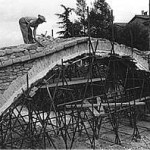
point(39, 66)
point(16, 61)
point(133, 53)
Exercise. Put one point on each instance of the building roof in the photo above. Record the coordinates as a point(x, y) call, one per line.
point(143, 17)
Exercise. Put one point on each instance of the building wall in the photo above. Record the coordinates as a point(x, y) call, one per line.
point(140, 22)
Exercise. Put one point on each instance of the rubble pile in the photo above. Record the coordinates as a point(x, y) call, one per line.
point(49, 41)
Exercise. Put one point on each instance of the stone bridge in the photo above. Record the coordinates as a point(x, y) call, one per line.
point(17, 61)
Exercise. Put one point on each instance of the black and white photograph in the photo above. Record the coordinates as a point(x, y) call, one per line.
point(75, 74)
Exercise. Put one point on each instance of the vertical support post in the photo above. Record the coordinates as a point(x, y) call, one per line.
point(30, 123)
point(112, 51)
point(88, 28)
point(88, 22)
point(65, 127)
point(44, 130)
point(62, 73)
point(149, 61)
point(30, 115)
point(149, 37)
point(10, 126)
point(27, 82)
point(149, 27)
point(1, 134)
point(52, 33)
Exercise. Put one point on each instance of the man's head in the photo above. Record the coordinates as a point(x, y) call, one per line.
point(41, 19)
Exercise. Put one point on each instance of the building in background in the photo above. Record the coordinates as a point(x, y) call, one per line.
point(142, 20)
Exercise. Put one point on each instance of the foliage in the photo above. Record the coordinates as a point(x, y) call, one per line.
point(82, 13)
point(77, 29)
point(99, 16)
point(100, 19)
point(66, 23)
point(134, 35)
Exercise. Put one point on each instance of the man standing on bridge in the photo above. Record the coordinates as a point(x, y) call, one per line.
point(25, 25)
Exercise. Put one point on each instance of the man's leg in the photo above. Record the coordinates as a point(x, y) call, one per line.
point(30, 37)
point(24, 30)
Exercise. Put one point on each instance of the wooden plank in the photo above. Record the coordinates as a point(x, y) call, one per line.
point(74, 82)
point(105, 104)
point(137, 102)
point(143, 99)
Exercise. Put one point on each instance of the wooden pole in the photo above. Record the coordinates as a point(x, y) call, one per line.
point(88, 27)
point(149, 36)
point(149, 25)
point(112, 23)
point(52, 33)
point(88, 22)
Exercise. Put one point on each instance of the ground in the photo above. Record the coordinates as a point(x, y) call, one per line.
point(106, 138)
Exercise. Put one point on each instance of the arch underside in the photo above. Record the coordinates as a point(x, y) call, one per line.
point(74, 97)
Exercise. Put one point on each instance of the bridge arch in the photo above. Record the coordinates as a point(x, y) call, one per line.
point(41, 60)
point(17, 61)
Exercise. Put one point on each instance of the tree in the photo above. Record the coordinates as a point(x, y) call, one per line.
point(118, 32)
point(77, 29)
point(81, 12)
point(100, 19)
point(66, 23)
point(134, 35)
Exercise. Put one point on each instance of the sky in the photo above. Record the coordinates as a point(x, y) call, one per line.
point(12, 10)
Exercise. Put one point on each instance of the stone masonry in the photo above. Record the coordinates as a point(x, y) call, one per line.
point(17, 61)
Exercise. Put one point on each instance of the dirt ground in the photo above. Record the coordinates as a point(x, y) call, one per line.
point(106, 138)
